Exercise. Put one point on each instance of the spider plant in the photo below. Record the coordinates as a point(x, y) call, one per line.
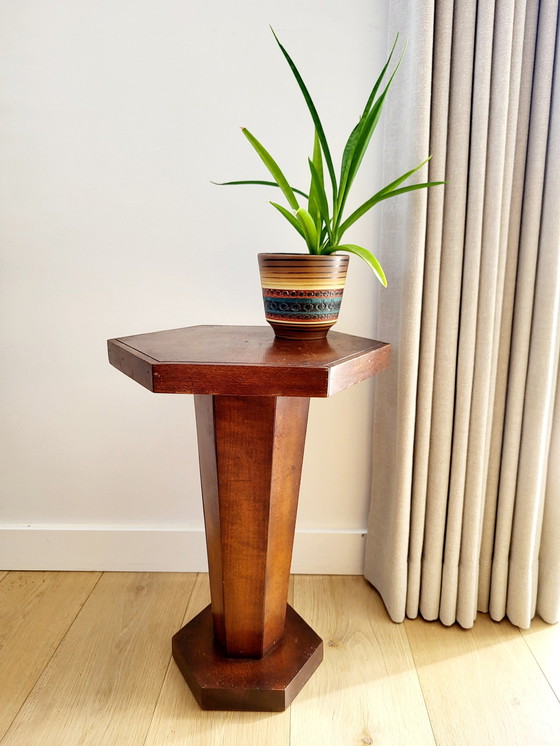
point(321, 220)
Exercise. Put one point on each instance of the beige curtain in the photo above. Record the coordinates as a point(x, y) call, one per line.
point(465, 512)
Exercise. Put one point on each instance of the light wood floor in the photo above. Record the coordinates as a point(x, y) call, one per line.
point(85, 659)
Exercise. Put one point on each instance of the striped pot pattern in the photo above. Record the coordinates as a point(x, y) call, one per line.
point(302, 293)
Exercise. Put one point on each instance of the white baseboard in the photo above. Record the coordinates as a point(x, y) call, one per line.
point(102, 548)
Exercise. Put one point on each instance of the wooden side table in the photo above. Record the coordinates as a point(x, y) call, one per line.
point(248, 650)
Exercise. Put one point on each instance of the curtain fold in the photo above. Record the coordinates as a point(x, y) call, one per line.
point(465, 511)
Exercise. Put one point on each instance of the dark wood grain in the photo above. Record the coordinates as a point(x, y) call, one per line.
point(267, 684)
point(251, 454)
point(132, 363)
point(246, 361)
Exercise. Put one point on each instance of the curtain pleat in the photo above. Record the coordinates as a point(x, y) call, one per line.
point(516, 146)
point(429, 307)
point(544, 338)
point(442, 510)
point(548, 581)
point(403, 260)
point(475, 326)
point(464, 421)
point(548, 599)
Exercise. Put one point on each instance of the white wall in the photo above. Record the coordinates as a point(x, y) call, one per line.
point(116, 114)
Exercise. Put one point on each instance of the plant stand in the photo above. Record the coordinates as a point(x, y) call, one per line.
point(248, 650)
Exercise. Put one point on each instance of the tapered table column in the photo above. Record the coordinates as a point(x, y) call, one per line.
point(251, 453)
point(248, 650)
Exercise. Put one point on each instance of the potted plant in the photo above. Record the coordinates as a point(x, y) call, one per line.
point(302, 293)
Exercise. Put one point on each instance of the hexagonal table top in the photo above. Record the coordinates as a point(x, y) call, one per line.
point(246, 361)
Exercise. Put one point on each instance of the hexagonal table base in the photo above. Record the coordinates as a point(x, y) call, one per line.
point(265, 684)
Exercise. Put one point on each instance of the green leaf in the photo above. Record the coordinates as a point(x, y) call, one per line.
point(273, 167)
point(364, 254)
point(390, 187)
point(352, 140)
point(309, 230)
point(320, 196)
point(313, 111)
point(373, 93)
point(318, 163)
point(348, 153)
point(259, 182)
point(289, 217)
point(380, 196)
point(360, 142)
point(317, 157)
point(313, 210)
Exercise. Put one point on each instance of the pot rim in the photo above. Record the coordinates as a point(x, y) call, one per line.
point(304, 255)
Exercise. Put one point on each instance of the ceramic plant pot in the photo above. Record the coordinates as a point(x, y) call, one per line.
point(302, 293)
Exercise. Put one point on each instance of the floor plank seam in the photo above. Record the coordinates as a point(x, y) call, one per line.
point(556, 694)
point(47, 662)
point(169, 664)
point(419, 680)
point(294, 582)
point(158, 700)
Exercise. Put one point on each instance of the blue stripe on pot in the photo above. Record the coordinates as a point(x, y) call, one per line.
point(306, 307)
